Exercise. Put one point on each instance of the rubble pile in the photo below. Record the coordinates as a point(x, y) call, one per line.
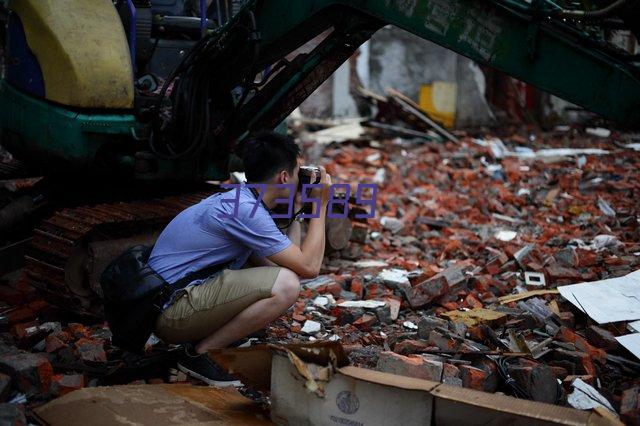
point(455, 279)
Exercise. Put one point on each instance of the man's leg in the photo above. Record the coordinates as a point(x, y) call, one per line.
point(228, 306)
point(283, 294)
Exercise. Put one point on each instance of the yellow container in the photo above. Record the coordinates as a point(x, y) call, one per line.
point(82, 51)
point(438, 99)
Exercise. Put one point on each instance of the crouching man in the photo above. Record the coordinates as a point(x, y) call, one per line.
point(238, 232)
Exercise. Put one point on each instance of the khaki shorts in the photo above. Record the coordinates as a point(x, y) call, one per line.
point(200, 310)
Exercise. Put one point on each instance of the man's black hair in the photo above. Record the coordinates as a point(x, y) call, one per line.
point(266, 153)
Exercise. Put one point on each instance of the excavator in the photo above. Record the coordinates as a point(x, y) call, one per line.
point(132, 104)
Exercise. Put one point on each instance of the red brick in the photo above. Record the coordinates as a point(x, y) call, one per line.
point(586, 258)
point(473, 302)
point(601, 338)
point(472, 377)
point(53, 343)
point(410, 366)
point(567, 335)
point(407, 347)
point(427, 291)
point(91, 351)
point(78, 331)
point(365, 322)
point(451, 375)
point(357, 287)
point(31, 373)
point(62, 384)
point(375, 291)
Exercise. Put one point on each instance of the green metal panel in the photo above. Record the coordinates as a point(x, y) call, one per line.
point(54, 133)
point(544, 53)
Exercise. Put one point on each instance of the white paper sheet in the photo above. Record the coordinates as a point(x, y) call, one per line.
point(615, 299)
point(631, 342)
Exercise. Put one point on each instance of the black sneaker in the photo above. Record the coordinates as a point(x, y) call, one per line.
point(202, 367)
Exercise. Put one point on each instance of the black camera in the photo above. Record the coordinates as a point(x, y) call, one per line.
point(308, 175)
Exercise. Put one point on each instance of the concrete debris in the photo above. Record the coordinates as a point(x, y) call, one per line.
point(311, 327)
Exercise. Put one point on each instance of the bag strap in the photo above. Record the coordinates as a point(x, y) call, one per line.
point(167, 290)
point(197, 275)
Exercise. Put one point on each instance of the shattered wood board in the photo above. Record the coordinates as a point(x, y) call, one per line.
point(477, 316)
point(605, 301)
point(151, 404)
point(519, 296)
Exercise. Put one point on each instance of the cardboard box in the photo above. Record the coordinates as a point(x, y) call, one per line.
point(313, 385)
point(353, 397)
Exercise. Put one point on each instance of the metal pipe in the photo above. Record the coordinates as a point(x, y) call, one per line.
point(592, 14)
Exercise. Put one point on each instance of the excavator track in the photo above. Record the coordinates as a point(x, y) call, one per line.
point(71, 248)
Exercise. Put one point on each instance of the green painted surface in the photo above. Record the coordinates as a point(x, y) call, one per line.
point(548, 55)
point(46, 130)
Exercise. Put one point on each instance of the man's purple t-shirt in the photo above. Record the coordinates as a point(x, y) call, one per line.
point(198, 237)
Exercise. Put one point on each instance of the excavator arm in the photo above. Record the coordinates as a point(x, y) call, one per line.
point(520, 41)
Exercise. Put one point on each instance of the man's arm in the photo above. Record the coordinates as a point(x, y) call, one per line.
point(306, 259)
point(293, 232)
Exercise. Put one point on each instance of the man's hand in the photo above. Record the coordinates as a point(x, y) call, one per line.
point(322, 192)
point(306, 260)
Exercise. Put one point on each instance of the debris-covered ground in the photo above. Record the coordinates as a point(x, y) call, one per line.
point(454, 279)
point(435, 286)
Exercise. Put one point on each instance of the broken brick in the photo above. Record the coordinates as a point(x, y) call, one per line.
point(601, 338)
point(91, 351)
point(428, 324)
point(365, 322)
point(62, 384)
point(78, 331)
point(30, 372)
point(451, 375)
point(473, 378)
point(427, 291)
point(567, 335)
point(410, 366)
point(538, 381)
point(407, 347)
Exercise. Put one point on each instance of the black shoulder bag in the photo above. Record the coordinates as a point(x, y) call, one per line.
point(134, 295)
